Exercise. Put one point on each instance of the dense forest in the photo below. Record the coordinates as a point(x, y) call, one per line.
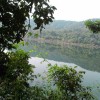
point(16, 72)
point(68, 32)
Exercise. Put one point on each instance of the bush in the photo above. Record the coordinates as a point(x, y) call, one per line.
point(14, 85)
point(65, 83)
point(69, 82)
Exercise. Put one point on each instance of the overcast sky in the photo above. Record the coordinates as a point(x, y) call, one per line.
point(76, 10)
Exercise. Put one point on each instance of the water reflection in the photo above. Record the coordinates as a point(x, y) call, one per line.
point(87, 58)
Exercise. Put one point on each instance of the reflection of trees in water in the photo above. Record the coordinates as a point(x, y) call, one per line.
point(87, 58)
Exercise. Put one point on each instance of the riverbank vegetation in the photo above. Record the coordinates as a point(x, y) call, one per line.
point(15, 70)
point(67, 32)
point(63, 82)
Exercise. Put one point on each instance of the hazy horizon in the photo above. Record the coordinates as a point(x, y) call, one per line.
point(77, 10)
point(74, 20)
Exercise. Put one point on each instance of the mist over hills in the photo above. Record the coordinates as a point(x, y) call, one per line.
point(68, 31)
point(59, 24)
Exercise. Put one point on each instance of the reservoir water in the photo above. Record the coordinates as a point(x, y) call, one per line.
point(86, 59)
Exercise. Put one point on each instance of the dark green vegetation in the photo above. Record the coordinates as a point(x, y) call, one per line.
point(68, 81)
point(13, 15)
point(14, 83)
point(93, 25)
point(69, 32)
point(15, 71)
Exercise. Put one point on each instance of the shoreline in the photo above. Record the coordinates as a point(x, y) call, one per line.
point(62, 42)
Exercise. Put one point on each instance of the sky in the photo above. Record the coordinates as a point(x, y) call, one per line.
point(76, 10)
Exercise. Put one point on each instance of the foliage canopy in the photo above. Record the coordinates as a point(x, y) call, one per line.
point(69, 81)
point(15, 71)
point(13, 15)
point(14, 67)
point(14, 83)
point(94, 26)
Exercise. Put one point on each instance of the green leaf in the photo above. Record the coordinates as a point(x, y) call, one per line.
point(36, 35)
point(30, 34)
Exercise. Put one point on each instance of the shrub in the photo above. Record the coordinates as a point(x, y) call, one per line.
point(69, 82)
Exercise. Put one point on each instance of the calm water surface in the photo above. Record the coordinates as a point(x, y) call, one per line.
point(87, 59)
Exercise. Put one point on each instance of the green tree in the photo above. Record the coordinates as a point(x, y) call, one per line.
point(93, 25)
point(13, 15)
point(15, 71)
point(14, 67)
point(69, 82)
point(14, 84)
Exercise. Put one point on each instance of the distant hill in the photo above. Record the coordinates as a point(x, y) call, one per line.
point(69, 31)
point(62, 24)
point(59, 24)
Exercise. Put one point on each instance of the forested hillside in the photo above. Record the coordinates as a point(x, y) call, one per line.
point(68, 31)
